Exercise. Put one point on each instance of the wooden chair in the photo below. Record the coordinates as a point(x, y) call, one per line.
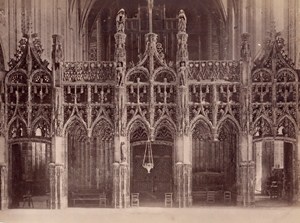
point(135, 201)
point(168, 200)
point(102, 200)
point(211, 197)
point(227, 197)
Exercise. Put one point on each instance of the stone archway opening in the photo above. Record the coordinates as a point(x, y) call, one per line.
point(89, 164)
point(273, 172)
point(152, 186)
point(214, 163)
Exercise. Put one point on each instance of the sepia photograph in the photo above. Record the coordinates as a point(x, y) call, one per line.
point(153, 111)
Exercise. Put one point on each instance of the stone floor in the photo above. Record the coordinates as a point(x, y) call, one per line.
point(155, 215)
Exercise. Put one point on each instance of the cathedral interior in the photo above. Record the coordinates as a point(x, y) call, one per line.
point(149, 103)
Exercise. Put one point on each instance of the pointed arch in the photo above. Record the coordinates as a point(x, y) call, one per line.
point(228, 119)
point(103, 119)
point(262, 127)
point(103, 129)
point(287, 127)
point(17, 128)
point(43, 126)
point(73, 122)
point(165, 129)
point(201, 121)
point(138, 130)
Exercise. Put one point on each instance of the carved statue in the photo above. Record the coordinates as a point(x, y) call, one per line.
point(245, 47)
point(123, 153)
point(182, 21)
point(120, 21)
point(182, 73)
point(119, 74)
point(57, 54)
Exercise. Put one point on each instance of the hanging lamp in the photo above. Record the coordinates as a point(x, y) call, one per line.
point(148, 157)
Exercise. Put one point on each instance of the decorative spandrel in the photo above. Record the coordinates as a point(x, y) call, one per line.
point(215, 70)
point(89, 72)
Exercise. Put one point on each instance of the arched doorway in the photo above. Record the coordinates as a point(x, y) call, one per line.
point(29, 159)
point(274, 159)
point(214, 162)
point(274, 172)
point(89, 163)
point(152, 186)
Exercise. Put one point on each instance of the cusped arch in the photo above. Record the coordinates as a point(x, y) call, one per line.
point(287, 127)
point(163, 73)
point(202, 129)
point(18, 76)
point(165, 129)
point(200, 118)
point(262, 127)
point(286, 75)
point(227, 127)
point(17, 128)
point(41, 76)
point(103, 129)
point(138, 129)
point(228, 118)
point(41, 127)
point(72, 123)
point(261, 75)
point(99, 119)
point(137, 72)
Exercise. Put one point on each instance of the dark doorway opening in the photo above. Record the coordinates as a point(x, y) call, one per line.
point(274, 173)
point(152, 186)
point(30, 175)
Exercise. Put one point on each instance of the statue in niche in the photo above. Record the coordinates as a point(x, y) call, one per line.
point(123, 152)
point(120, 21)
point(245, 48)
point(182, 21)
point(182, 73)
point(119, 73)
point(57, 53)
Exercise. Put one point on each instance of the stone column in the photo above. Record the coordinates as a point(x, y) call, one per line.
point(58, 177)
point(121, 190)
point(3, 188)
point(246, 185)
point(58, 189)
point(183, 184)
point(246, 173)
point(183, 167)
point(121, 170)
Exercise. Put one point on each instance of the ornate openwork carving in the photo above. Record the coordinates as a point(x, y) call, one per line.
point(215, 70)
point(17, 129)
point(286, 128)
point(262, 128)
point(88, 71)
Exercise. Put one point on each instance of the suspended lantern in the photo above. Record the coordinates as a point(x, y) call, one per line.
point(148, 157)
